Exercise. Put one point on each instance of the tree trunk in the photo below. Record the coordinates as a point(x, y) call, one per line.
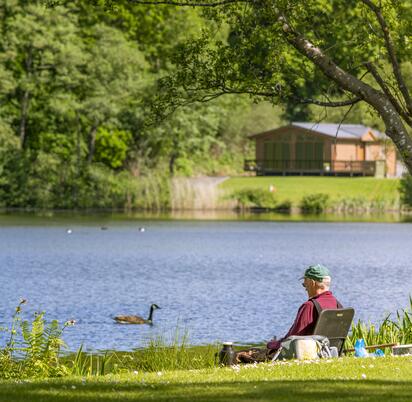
point(25, 102)
point(396, 130)
point(92, 143)
point(23, 118)
point(172, 161)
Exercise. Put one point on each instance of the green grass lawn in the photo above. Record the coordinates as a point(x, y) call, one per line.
point(346, 379)
point(293, 188)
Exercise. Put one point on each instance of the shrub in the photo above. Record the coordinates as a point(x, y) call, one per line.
point(254, 198)
point(111, 147)
point(284, 206)
point(405, 190)
point(314, 203)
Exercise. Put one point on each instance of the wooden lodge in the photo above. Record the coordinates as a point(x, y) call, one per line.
point(323, 149)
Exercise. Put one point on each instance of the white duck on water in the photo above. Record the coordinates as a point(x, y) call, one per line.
point(135, 319)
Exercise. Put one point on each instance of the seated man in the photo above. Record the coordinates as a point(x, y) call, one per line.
point(316, 281)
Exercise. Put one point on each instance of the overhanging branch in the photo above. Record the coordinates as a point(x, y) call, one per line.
point(372, 69)
point(189, 3)
point(343, 78)
point(224, 90)
point(392, 54)
point(349, 102)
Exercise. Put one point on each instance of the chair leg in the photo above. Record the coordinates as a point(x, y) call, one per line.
point(276, 355)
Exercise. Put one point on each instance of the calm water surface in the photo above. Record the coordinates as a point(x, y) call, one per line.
point(219, 280)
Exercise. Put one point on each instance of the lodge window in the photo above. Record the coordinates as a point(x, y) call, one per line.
point(276, 155)
point(309, 155)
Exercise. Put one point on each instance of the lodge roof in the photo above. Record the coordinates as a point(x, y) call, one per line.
point(347, 131)
point(343, 131)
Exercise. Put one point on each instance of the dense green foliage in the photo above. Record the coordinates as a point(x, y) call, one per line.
point(86, 89)
point(78, 81)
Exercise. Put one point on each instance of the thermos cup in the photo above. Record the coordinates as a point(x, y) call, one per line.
point(227, 356)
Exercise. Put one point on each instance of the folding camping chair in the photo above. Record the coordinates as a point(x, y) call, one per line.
point(332, 324)
point(335, 324)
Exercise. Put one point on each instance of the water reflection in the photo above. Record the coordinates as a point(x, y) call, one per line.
point(34, 217)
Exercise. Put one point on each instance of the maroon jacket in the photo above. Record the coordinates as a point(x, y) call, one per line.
point(306, 317)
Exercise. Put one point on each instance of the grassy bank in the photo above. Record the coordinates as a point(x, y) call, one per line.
point(348, 379)
point(172, 370)
point(349, 191)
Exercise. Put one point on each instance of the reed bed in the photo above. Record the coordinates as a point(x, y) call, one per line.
point(392, 330)
point(173, 353)
point(161, 353)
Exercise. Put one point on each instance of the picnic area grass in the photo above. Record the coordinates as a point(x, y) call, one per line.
point(293, 188)
point(344, 379)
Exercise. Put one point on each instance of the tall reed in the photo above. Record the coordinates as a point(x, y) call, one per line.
point(162, 352)
point(396, 330)
point(174, 353)
point(85, 364)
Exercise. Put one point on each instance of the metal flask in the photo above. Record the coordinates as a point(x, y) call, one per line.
point(227, 356)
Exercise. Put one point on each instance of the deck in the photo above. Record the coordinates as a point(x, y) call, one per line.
point(311, 167)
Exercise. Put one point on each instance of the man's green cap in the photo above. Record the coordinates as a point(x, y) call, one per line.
point(316, 272)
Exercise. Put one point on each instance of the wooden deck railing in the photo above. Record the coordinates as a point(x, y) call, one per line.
point(263, 166)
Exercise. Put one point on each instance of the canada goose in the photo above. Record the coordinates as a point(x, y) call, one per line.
point(135, 319)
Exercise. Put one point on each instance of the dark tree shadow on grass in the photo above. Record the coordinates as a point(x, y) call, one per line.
point(310, 390)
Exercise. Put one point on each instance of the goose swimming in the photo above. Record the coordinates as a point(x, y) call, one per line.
point(135, 319)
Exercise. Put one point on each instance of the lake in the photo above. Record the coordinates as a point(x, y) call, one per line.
point(219, 280)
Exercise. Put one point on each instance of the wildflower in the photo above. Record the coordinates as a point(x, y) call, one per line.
point(70, 323)
point(363, 376)
point(236, 368)
point(159, 373)
point(73, 387)
point(135, 372)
